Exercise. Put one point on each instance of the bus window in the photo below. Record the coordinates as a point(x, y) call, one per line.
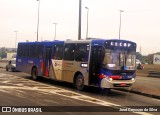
point(32, 50)
point(82, 52)
point(58, 52)
point(25, 50)
point(69, 51)
point(39, 51)
point(20, 50)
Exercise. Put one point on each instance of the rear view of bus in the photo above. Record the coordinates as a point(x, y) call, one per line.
point(118, 65)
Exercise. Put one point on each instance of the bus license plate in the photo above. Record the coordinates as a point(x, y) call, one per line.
point(123, 84)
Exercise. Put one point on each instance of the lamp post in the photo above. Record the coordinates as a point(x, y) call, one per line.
point(120, 24)
point(38, 19)
point(55, 31)
point(87, 22)
point(79, 27)
point(16, 40)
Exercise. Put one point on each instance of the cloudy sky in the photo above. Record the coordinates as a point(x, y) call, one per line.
point(140, 21)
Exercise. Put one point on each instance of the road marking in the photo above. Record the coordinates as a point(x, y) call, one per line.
point(55, 90)
point(156, 99)
point(2, 74)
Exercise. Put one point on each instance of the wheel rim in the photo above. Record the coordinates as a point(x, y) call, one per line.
point(80, 82)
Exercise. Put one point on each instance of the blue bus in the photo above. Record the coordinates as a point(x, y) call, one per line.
point(104, 63)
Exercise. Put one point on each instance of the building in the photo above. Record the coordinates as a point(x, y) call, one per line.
point(156, 59)
point(11, 55)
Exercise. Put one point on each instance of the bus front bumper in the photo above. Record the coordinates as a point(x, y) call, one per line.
point(106, 83)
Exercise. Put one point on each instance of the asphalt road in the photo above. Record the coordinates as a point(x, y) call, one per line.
point(17, 89)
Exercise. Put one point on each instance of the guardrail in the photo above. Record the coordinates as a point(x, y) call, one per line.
point(153, 73)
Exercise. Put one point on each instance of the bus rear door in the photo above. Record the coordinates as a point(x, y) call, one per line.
point(47, 60)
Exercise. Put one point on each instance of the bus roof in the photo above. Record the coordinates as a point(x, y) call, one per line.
point(90, 40)
point(97, 40)
point(43, 42)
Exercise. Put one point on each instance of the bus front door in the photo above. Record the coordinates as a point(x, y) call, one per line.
point(97, 55)
point(47, 60)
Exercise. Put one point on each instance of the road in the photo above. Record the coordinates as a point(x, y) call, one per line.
point(17, 89)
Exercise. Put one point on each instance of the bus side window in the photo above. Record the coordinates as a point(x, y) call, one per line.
point(69, 51)
point(82, 52)
point(20, 50)
point(39, 51)
point(26, 50)
point(58, 52)
point(32, 50)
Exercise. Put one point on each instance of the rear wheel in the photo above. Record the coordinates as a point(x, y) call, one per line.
point(79, 82)
point(34, 74)
point(6, 68)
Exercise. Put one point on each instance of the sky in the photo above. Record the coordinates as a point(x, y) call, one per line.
point(140, 21)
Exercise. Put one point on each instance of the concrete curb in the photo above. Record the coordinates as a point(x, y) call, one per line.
point(140, 93)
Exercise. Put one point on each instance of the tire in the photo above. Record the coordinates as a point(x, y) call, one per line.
point(79, 82)
point(34, 74)
point(6, 69)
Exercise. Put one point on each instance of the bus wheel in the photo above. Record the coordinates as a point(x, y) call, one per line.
point(6, 69)
point(79, 83)
point(34, 74)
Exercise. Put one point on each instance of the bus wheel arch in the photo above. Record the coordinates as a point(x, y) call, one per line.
point(78, 81)
point(34, 73)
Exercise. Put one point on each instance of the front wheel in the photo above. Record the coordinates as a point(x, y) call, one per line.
point(79, 83)
point(34, 74)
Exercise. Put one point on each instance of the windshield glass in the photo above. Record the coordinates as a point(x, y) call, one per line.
point(116, 59)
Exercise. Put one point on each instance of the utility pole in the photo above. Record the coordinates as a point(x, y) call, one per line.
point(38, 19)
point(79, 27)
point(120, 24)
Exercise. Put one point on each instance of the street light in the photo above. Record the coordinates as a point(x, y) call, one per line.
point(16, 40)
point(38, 19)
point(55, 31)
point(79, 27)
point(120, 24)
point(87, 22)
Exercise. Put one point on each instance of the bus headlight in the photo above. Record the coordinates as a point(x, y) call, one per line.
point(110, 79)
point(133, 79)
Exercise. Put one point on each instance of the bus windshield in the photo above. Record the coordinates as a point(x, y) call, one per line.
point(116, 59)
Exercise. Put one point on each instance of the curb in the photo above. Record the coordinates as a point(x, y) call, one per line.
point(140, 93)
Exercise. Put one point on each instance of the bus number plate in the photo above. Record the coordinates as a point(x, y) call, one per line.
point(123, 84)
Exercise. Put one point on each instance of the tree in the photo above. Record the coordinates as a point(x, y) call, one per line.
point(139, 56)
point(3, 52)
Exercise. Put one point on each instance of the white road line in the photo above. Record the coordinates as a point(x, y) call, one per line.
point(2, 74)
point(156, 99)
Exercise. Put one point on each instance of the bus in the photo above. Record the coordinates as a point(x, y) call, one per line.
point(103, 63)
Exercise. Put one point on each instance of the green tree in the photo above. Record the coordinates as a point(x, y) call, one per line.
point(139, 56)
point(3, 52)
